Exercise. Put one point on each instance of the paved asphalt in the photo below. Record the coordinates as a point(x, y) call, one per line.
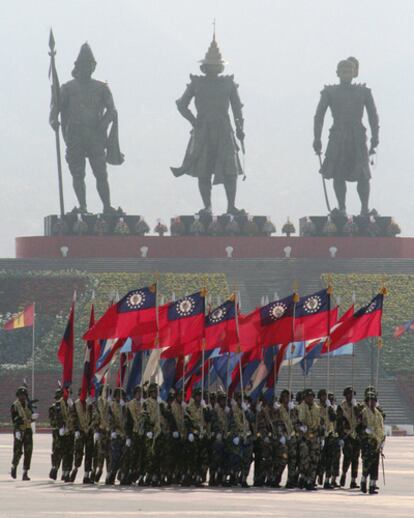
point(44, 498)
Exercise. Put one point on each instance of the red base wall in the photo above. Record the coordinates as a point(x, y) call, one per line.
point(213, 247)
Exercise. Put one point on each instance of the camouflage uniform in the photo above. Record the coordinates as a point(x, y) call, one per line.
point(65, 438)
point(102, 446)
point(82, 418)
point(266, 438)
point(220, 443)
point(309, 444)
point(197, 449)
point(154, 425)
point(347, 422)
point(241, 446)
point(117, 417)
point(289, 419)
point(135, 431)
point(372, 438)
point(180, 440)
point(330, 444)
point(21, 416)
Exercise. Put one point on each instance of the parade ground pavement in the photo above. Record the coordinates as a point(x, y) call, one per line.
point(44, 498)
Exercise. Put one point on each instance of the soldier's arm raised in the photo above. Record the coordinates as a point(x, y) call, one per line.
point(372, 119)
point(184, 102)
point(318, 121)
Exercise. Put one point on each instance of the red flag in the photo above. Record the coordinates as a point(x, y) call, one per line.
point(65, 352)
point(182, 322)
point(365, 323)
point(89, 362)
point(23, 319)
point(133, 315)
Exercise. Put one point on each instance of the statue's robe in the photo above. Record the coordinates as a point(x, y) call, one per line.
point(346, 155)
point(212, 149)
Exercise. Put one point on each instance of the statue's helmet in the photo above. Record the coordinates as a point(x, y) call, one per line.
point(344, 66)
point(355, 62)
point(213, 57)
point(85, 59)
point(85, 55)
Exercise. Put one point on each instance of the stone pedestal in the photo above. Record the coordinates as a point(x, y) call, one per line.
point(363, 226)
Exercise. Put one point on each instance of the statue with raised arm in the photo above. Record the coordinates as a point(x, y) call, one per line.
point(212, 154)
point(347, 154)
point(87, 111)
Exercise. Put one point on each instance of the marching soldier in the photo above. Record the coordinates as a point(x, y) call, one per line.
point(219, 435)
point(56, 450)
point(265, 436)
point(329, 441)
point(309, 445)
point(101, 436)
point(117, 417)
point(288, 416)
point(65, 443)
point(179, 434)
point(241, 419)
point(135, 432)
point(22, 418)
point(336, 444)
point(82, 418)
point(153, 442)
point(372, 440)
point(348, 412)
point(196, 419)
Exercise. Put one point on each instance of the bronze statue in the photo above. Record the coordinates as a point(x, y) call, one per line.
point(212, 152)
point(87, 109)
point(347, 155)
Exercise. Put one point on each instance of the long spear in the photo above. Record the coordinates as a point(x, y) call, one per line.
point(55, 107)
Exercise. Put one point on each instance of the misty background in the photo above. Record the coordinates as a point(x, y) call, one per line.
point(281, 53)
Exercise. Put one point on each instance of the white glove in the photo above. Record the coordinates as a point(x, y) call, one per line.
point(282, 440)
point(328, 403)
point(18, 435)
point(62, 431)
point(259, 406)
point(128, 443)
point(354, 402)
point(245, 406)
point(142, 401)
point(303, 428)
point(176, 434)
point(114, 435)
point(122, 402)
point(236, 441)
point(191, 437)
point(291, 405)
point(109, 399)
point(89, 400)
point(341, 443)
point(70, 402)
point(203, 404)
point(226, 409)
point(77, 434)
point(159, 400)
point(219, 436)
point(335, 407)
point(322, 443)
point(267, 440)
point(183, 405)
point(368, 431)
point(96, 436)
point(149, 435)
point(35, 416)
point(276, 405)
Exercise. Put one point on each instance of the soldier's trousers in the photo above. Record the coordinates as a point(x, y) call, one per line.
point(23, 445)
point(370, 455)
point(329, 453)
point(241, 457)
point(351, 451)
point(219, 457)
point(84, 446)
point(117, 452)
point(265, 458)
point(293, 459)
point(309, 453)
point(136, 457)
point(197, 456)
point(62, 450)
point(280, 460)
point(102, 452)
point(153, 458)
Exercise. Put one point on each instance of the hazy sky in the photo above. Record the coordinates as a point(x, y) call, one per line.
point(281, 52)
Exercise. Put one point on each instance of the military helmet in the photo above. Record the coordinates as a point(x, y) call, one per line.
point(370, 388)
point(348, 390)
point(284, 392)
point(172, 393)
point(299, 396)
point(196, 392)
point(22, 391)
point(153, 386)
point(137, 388)
point(308, 392)
point(119, 391)
point(58, 393)
point(371, 395)
point(322, 392)
point(220, 395)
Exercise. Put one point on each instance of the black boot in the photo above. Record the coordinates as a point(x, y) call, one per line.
point(25, 475)
point(327, 485)
point(373, 490)
point(13, 472)
point(53, 474)
point(363, 486)
point(343, 479)
point(97, 476)
point(72, 476)
point(353, 485)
